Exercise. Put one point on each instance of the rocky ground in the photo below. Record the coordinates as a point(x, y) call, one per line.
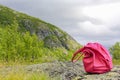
point(67, 71)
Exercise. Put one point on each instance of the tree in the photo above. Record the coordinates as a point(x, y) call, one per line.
point(115, 50)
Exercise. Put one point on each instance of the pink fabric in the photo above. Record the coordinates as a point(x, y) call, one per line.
point(96, 58)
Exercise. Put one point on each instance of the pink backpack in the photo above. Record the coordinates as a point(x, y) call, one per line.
point(96, 58)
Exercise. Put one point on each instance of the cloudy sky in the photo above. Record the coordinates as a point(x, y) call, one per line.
point(85, 20)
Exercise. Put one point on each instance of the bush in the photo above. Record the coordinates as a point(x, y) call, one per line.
point(23, 47)
point(115, 51)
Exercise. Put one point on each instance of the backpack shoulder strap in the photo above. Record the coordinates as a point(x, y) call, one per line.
point(75, 58)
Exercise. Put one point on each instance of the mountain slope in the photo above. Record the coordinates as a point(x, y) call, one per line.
point(52, 36)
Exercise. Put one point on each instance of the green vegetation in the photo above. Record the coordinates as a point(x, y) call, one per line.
point(28, 39)
point(21, 75)
point(35, 26)
point(115, 51)
point(23, 47)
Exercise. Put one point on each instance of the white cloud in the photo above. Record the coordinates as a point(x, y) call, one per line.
point(105, 12)
point(93, 29)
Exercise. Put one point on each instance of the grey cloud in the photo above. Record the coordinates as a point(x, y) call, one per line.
point(107, 41)
point(115, 28)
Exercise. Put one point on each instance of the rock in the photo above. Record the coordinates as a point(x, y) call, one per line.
point(28, 25)
point(75, 71)
point(66, 71)
point(52, 42)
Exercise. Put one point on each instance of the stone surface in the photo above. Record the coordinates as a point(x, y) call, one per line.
point(67, 71)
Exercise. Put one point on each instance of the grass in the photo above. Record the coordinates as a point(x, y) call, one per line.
point(116, 62)
point(22, 75)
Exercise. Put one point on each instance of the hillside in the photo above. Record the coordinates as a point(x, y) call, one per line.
point(51, 35)
point(24, 38)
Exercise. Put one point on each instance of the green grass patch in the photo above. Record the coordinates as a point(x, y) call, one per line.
point(116, 62)
point(21, 75)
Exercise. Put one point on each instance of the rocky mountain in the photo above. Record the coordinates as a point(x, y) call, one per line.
point(51, 35)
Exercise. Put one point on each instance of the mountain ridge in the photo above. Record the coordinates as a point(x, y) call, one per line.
point(52, 36)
